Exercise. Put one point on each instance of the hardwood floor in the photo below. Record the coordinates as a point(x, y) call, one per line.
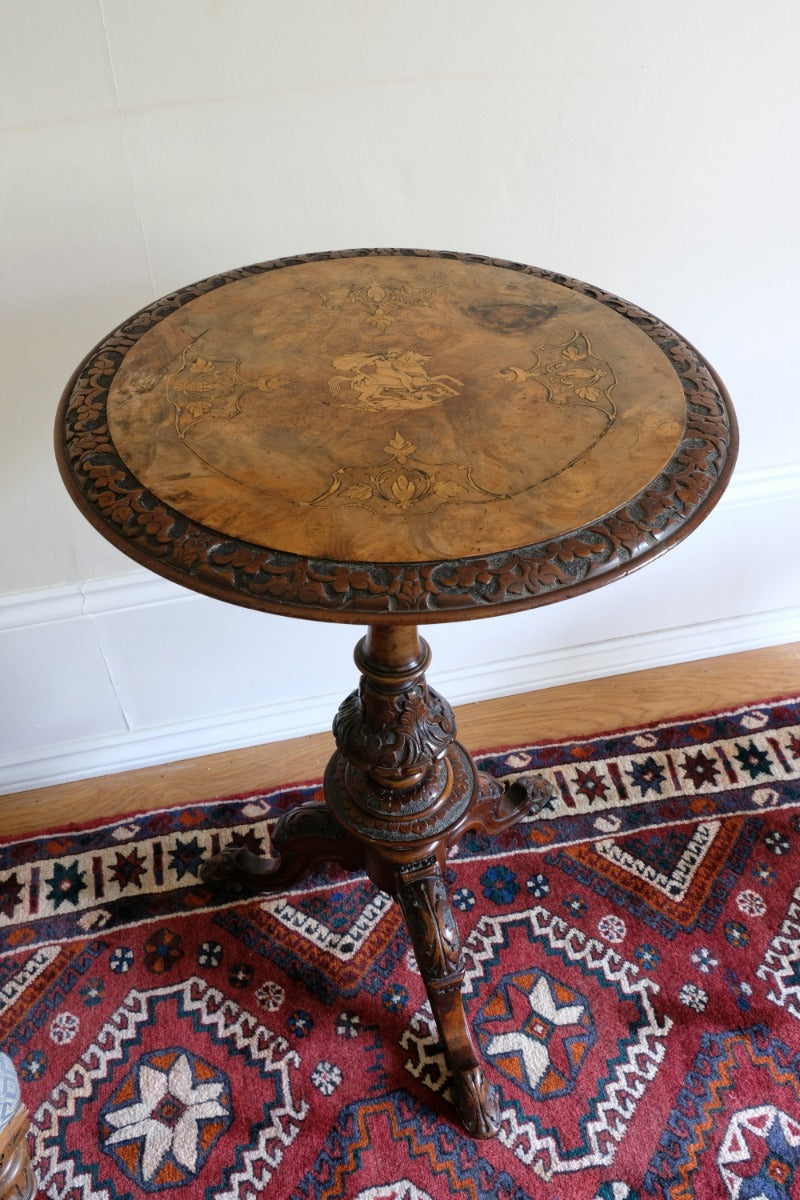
point(551, 714)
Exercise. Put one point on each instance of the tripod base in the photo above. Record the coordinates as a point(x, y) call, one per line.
point(400, 792)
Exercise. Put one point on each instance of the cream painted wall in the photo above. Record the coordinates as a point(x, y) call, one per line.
point(650, 149)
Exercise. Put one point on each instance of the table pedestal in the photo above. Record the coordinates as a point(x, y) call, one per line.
point(400, 791)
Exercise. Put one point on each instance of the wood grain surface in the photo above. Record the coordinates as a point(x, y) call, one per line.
point(395, 409)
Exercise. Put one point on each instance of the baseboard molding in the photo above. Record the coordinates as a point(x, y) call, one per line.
point(313, 714)
point(109, 755)
point(21, 610)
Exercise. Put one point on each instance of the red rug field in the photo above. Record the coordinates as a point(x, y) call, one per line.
point(633, 983)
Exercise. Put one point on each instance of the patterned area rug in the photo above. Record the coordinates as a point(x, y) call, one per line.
point(633, 983)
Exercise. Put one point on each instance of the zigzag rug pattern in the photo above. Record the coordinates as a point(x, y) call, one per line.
point(633, 982)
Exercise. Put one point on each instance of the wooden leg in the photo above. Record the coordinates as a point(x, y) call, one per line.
point(303, 837)
point(429, 916)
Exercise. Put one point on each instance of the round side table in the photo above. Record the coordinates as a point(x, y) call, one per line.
point(395, 438)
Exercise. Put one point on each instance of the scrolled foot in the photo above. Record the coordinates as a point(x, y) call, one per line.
point(477, 1103)
point(238, 871)
point(501, 805)
point(302, 837)
point(524, 797)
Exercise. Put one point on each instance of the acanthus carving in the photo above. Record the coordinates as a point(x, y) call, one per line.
point(260, 577)
point(397, 732)
point(437, 946)
point(477, 1103)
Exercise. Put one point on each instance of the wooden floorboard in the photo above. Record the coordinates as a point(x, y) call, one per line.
point(551, 714)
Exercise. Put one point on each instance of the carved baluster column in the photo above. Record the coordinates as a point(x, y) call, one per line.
point(394, 726)
point(399, 781)
point(402, 783)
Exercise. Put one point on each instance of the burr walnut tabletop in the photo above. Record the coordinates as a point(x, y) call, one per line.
point(395, 438)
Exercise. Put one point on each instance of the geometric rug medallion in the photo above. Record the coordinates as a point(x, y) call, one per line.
point(588, 1036)
point(160, 1110)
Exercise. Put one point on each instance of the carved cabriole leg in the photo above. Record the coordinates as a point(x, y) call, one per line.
point(426, 907)
point(303, 837)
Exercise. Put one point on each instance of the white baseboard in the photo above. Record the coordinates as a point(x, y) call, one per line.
point(86, 657)
point(619, 656)
point(313, 714)
point(21, 610)
point(133, 749)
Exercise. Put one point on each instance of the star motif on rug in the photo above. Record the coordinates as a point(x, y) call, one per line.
point(165, 1118)
point(647, 776)
point(700, 769)
point(753, 760)
point(537, 1031)
point(65, 884)
point(128, 870)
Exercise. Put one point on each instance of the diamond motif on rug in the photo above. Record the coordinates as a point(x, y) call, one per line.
point(571, 1126)
point(164, 1111)
point(674, 879)
point(537, 1032)
point(394, 1139)
point(337, 941)
point(730, 1131)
